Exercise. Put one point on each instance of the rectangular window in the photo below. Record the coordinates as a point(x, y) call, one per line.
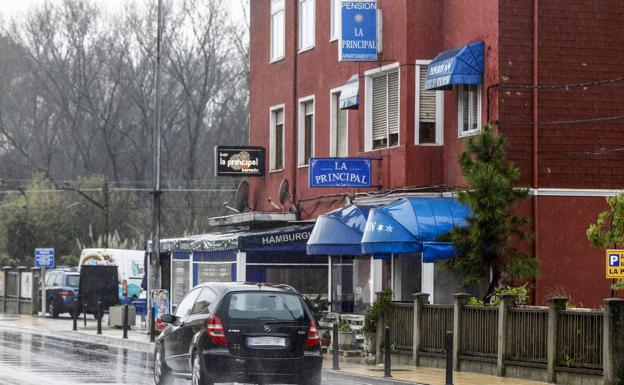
point(276, 160)
point(277, 29)
point(429, 109)
point(469, 109)
point(339, 130)
point(306, 24)
point(306, 131)
point(384, 105)
point(336, 19)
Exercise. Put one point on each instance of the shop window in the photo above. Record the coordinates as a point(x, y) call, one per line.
point(338, 127)
point(350, 286)
point(382, 102)
point(277, 30)
point(306, 24)
point(336, 19)
point(306, 130)
point(306, 279)
point(469, 109)
point(429, 109)
point(276, 161)
point(180, 276)
point(214, 272)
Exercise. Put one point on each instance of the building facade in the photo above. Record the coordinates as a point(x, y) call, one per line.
point(551, 84)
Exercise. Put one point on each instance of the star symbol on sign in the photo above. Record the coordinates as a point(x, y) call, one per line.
point(380, 228)
point(389, 229)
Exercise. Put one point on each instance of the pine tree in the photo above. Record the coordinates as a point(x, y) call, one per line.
point(488, 244)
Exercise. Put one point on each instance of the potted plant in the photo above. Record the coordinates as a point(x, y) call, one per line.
point(345, 334)
point(375, 310)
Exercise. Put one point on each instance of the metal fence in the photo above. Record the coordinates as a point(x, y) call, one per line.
point(527, 334)
point(579, 339)
point(435, 322)
point(479, 331)
point(400, 319)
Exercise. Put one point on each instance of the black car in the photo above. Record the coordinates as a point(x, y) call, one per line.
point(239, 332)
point(61, 291)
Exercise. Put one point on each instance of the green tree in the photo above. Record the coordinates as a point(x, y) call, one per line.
point(608, 231)
point(487, 245)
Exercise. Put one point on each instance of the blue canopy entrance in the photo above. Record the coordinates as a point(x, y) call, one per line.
point(339, 232)
point(463, 65)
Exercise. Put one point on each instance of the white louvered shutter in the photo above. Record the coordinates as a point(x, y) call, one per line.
point(393, 103)
point(427, 102)
point(380, 108)
point(341, 130)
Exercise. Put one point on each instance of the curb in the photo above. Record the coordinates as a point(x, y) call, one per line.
point(363, 379)
point(146, 347)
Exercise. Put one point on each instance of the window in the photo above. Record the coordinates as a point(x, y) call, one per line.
point(185, 307)
point(306, 24)
point(265, 305)
point(382, 103)
point(429, 109)
point(180, 279)
point(338, 127)
point(336, 20)
point(306, 131)
point(469, 108)
point(277, 29)
point(72, 281)
point(206, 301)
point(214, 272)
point(277, 139)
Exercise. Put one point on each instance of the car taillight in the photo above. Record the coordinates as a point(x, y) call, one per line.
point(65, 293)
point(313, 336)
point(215, 330)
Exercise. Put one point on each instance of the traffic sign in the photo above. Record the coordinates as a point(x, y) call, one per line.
point(44, 258)
point(615, 263)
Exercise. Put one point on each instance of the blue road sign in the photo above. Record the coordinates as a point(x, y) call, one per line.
point(44, 258)
point(358, 41)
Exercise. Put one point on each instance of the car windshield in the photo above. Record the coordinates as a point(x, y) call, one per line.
point(265, 305)
point(72, 281)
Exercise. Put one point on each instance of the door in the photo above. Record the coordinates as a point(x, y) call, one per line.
point(175, 344)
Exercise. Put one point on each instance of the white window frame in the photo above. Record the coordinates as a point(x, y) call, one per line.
point(334, 96)
point(272, 137)
point(271, 37)
point(439, 125)
point(335, 26)
point(301, 130)
point(460, 113)
point(368, 113)
point(300, 26)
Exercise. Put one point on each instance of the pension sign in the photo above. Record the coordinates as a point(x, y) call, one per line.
point(358, 40)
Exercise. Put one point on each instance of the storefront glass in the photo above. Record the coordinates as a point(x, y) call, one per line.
point(214, 272)
point(350, 288)
point(181, 281)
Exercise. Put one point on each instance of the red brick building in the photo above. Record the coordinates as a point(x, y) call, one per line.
point(542, 86)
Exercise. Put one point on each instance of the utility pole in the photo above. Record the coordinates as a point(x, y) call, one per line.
point(154, 265)
point(106, 213)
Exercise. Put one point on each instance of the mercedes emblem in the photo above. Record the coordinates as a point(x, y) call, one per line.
point(267, 328)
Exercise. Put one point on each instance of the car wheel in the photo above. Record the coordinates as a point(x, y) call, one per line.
point(197, 371)
point(311, 380)
point(162, 373)
point(54, 312)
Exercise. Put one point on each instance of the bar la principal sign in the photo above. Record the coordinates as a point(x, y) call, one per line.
point(340, 172)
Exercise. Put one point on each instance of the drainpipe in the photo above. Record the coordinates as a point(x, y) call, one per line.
point(535, 130)
point(295, 130)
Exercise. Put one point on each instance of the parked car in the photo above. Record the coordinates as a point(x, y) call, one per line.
point(61, 291)
point(239, 332)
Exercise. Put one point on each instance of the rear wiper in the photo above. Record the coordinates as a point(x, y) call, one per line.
point(272, 322)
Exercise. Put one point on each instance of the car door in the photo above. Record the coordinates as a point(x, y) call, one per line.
point(176, 349)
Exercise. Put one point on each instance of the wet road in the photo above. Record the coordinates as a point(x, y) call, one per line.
point(30, 359)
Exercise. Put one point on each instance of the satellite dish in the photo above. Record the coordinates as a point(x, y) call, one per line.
point(283, 191)
point(241, 201)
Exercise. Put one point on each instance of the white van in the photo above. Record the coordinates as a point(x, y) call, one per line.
point(129, 266)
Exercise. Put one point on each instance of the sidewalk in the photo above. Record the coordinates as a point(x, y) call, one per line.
point(349, 372)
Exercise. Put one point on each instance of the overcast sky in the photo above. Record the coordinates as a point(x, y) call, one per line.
point(10, 8)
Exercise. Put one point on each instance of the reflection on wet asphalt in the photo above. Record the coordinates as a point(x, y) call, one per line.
point(30, 359)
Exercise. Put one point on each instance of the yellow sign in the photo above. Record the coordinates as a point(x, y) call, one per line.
point(615, 263)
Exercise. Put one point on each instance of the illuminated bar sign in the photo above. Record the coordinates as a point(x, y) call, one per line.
point(239, 161)
point(358, 41)
point(340, 172)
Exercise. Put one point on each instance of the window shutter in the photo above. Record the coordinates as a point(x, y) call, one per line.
point(465, 94)
point(427, 103)
point(380, 107)
point(393, 102)
point(474, 107)
point(341, 130)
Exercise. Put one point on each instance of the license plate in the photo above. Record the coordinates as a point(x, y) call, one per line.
point(266, 341)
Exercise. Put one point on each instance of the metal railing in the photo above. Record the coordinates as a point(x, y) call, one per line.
point(479, 331)
point(400, 319)
point(527, 334)
point(579, 339)
point(435, 321)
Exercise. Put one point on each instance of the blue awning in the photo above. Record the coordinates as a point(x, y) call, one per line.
point(349, 96)
point(413, 225)
point(339, 232)
point(463, 65)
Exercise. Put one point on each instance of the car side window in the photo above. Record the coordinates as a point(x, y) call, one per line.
point(206, 300)
point(186, 305)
